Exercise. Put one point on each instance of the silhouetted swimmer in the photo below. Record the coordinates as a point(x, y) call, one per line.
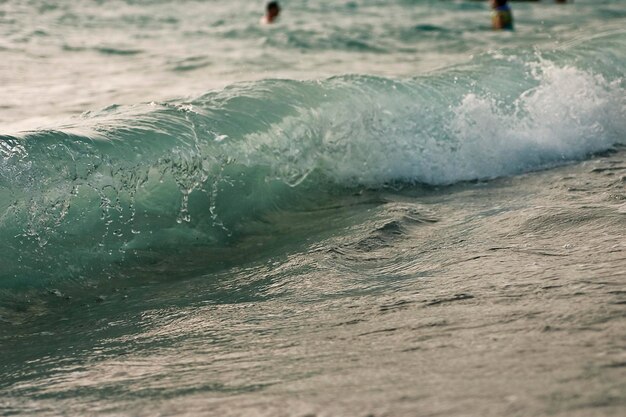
point(502, 17)
point(272, 10)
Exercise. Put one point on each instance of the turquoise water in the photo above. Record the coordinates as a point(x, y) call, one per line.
point(369, 208)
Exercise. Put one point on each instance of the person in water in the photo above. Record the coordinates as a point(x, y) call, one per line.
point(272, 10)
point(502, 18)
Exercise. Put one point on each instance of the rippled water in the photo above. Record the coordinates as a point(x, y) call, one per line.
point(371, 208)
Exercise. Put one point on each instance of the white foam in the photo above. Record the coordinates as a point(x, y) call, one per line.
point(374, 139)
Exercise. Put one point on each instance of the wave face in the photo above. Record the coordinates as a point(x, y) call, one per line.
point(136, 183)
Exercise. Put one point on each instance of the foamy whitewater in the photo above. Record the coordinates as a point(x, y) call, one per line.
point(370, 208)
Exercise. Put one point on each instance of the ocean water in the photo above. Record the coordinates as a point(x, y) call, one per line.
point(371, 208)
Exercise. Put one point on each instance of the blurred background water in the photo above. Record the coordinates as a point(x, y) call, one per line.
point(60, 58)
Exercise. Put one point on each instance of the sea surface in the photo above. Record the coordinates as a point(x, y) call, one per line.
point(372, 208)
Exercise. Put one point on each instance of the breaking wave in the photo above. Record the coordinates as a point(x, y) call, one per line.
point(153, 179)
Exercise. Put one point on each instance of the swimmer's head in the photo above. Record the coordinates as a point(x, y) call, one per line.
point(272, 9)
point(498, 3)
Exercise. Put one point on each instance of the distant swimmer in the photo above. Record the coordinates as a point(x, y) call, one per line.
point(502, 17)
point(272, 10)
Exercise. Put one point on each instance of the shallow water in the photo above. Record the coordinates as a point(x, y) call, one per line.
point(371, 208)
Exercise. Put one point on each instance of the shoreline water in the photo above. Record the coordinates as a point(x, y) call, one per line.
point(508, 293)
